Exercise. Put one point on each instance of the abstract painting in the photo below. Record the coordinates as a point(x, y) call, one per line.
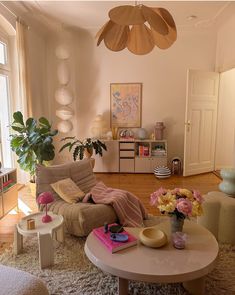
point(125, 104)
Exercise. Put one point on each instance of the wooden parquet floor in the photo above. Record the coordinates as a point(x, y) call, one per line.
point(142, 185)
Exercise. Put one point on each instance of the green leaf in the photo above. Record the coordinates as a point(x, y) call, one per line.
point(54, 132)
point(64, 146)
point(31, 124)
point(18, 127)
point(18, 117)
point(43, 121)
point(17, 141)
point(68, 137)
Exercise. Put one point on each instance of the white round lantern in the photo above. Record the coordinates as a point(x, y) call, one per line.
point(64, 126)
point(62, 51)
point(63, 96)
point(63, 73)
point(64, 113)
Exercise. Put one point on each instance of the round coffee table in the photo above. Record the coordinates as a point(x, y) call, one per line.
point(45, 232)
point(162, 265)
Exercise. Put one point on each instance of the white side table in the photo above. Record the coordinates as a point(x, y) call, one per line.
point(46, 232)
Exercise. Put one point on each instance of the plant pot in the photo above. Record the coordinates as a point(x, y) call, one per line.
point(88, 152)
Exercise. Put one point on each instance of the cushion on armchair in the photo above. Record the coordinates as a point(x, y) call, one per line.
point(79, 218)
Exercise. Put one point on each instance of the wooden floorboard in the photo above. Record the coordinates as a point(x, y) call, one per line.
point(142, 185)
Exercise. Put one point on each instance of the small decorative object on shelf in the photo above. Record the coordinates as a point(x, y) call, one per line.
point(159, 127)
point(44, 199)
point(179, 239)
point(126, 134)
point(115, 132)
point(142, 134)
point(179, 203)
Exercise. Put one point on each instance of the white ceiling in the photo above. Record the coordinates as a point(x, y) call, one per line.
point(93, 14)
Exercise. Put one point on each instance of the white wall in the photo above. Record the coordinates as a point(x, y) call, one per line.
point(225, 143)
point(163, 74)
point(225, 60)
point(225, 57)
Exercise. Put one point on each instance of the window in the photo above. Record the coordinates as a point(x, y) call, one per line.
point(5, 150)
point(3, 53)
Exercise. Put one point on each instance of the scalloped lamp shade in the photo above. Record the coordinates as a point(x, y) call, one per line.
point(44, 199)
point(138, 28)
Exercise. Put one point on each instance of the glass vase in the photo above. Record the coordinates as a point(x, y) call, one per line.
point(176, 224)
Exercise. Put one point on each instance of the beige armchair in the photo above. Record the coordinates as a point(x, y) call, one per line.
point(80, 218)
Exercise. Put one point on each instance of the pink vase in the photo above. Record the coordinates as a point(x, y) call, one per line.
point(159, 127)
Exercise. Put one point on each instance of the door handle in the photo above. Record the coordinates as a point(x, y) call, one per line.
point(188, 124)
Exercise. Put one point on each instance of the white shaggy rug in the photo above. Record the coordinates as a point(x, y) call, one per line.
point(74, 274)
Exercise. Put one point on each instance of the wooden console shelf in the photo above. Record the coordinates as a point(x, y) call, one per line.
point(135, 156)
point(8, 190)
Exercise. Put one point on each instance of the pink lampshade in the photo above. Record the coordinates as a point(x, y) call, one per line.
point(45, 198)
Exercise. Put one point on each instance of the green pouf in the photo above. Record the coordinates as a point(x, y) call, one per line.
point(227, 186)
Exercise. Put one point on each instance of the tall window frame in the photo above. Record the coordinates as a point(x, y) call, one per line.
point(6, 157)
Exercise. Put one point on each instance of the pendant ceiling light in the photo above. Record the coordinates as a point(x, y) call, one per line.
point(139, 28)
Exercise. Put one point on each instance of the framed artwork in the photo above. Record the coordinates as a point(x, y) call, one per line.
point(125, 104)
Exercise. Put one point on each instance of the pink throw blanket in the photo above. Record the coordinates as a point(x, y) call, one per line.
point(129, 209)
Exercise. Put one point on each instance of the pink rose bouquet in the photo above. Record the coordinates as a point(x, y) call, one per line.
point(179, 201)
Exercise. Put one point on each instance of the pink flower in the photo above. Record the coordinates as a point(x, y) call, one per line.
point(197, 196)
point(153, 199)
point(154, 196)
point(184, 206)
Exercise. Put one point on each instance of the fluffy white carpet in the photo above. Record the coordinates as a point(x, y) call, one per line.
point(74, 274)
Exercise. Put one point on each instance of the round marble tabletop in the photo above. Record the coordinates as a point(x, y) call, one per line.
point(165, 264)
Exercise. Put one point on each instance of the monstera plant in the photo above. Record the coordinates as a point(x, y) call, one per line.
point(32, 142)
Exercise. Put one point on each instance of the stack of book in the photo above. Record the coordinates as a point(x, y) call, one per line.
point(114, 246)
point(143, 151)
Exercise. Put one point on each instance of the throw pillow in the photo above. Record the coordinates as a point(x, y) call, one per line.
point(68, 190)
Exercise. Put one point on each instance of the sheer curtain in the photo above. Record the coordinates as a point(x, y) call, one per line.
point(24, 83)
point(25, 100)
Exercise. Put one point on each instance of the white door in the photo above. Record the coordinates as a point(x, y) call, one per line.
point(200, 122)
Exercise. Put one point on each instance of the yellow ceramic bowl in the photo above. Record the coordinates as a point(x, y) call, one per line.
point(153, 237)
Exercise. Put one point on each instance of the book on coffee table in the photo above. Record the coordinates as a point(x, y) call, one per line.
point(114, 246)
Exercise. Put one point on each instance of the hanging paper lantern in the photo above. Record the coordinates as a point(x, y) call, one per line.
point(63, 96)
point(64, 113)
point(65, 126)
point(62, 52)
point(63, 73)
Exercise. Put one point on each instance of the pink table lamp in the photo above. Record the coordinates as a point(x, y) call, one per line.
point(46, 198)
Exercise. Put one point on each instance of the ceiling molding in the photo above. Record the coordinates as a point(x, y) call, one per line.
point(211, 21)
